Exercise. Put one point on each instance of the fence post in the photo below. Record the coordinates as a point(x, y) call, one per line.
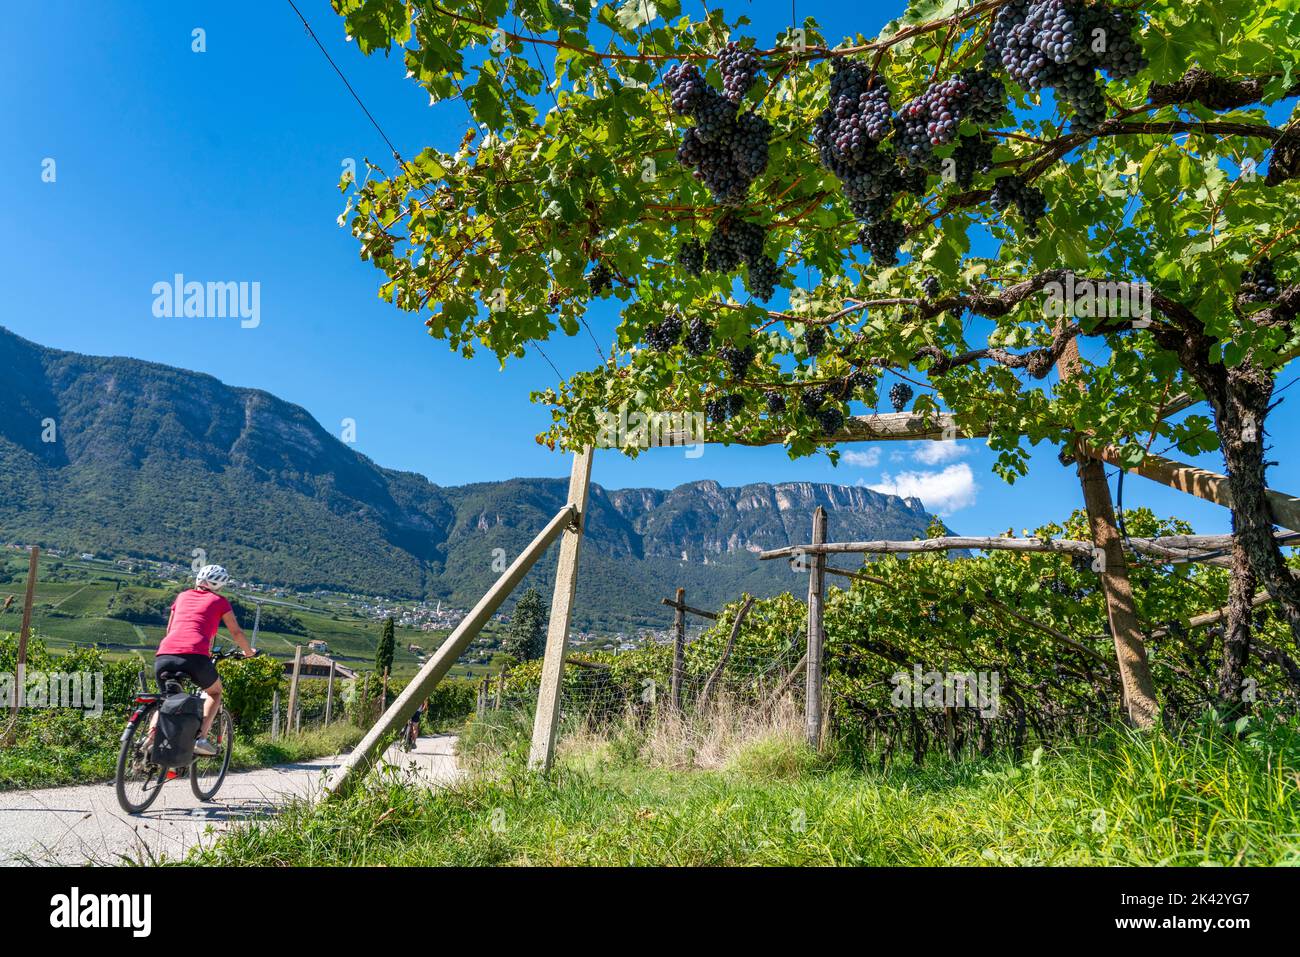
point(293, 688)
point(557, 630)
point(1121, 610)
point(480, 705)
point(275, 715)
point(297, 721)
point(329, 696)
point(816, 583)
point(679, 649)
point(24, 633)
point(501, 689)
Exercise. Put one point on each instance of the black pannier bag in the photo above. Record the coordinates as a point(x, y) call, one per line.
point(179, 719)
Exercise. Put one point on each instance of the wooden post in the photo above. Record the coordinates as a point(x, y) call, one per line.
point(329, 696)
point(275, 715)
point(679, 649)
point(293, 687)
point(383, 692)
point(29, 599)
point(557, 631)
point(501, 690)
point(441, 661)
point(816, 584)
point(297, 721)
point(1130, 651)
point(483, 695)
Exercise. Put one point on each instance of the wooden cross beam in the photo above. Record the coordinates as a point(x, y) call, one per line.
point(947, 543)
point(682, 606)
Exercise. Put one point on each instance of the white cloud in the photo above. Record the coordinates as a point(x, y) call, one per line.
point(938, 452)
point(867, 459)
point(943, 492)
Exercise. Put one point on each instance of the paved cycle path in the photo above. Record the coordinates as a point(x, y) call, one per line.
point(83, 824)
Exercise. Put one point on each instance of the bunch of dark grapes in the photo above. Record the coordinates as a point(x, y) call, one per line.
point(1259, 282)
point(733, 241)
point(1081, 563)
point(690, 256)
point(900, 393)
point(699, 337)
point(721, 409)
point(812, 399)
point(686, 87)
point(1062, 44)
point(599, 279)
point(814, 339)
point(663, 335)
point(853, 383)
point(736, 358)
point(1028, 200)
point(858, 116)
point(930, 286)
point(739, 68)
point(775, 402)
point(830, 419)
point(554, 298)
point(725, 150)
point(932, 119)
point(882, 239)
point(763, 277)
point(974, 154)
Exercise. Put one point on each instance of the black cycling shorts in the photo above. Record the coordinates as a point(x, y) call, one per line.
point(199, 667)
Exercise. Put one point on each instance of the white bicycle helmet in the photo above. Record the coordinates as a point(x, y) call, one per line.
point(213, 576)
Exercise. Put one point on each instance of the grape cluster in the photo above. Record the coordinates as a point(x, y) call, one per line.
point(932, 119)
point(930, 286)
point(1259, 282)
point(830, 419)
point(739, 68)
point(600, 279)
point(848, 134)
point(858, 116)
point(1029, 202)
point(736, 241)
point(726, 150)
point(721, 409)
point(974, 154)
point(1062, 44)
point(882, 239)
point(690, 256)
point(814, 339)
point(663, 335)
point(775, 402)
point(900, 393)
point(554, 298)
point(813, 398)
point(736, 358)
point(699, 337)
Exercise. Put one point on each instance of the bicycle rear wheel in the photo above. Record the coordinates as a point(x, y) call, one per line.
point(207, 773)
point(138, 780)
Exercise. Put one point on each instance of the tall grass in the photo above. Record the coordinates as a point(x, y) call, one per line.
point(683, 796)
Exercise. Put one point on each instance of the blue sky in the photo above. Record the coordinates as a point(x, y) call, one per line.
point(223, 166)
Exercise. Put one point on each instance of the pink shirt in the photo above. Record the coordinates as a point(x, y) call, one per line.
point(196, 616)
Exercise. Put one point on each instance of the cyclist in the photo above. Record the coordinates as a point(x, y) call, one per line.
point(197, 614)
point(413, 726)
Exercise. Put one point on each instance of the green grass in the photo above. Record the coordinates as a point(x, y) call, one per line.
point(1124, 800)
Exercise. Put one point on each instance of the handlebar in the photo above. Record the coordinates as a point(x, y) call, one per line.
point(233, 653)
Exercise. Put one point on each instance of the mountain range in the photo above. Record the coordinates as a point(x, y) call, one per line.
point(123, 457)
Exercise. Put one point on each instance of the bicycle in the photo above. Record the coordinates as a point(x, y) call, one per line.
point(139, 780)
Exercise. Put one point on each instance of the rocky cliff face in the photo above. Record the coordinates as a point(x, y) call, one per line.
point(154, 461)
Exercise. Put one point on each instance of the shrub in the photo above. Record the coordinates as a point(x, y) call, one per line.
point(250, 685)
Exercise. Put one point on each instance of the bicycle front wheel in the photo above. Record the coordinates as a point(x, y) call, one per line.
point(138, 780)
point(207, 773)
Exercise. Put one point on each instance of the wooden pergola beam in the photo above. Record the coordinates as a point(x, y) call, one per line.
point(682, 606)
point(947, 543)
point(1202, 483)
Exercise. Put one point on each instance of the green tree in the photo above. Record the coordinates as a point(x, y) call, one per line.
point(525, 639)
point(930, 250)
point(386, 648)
